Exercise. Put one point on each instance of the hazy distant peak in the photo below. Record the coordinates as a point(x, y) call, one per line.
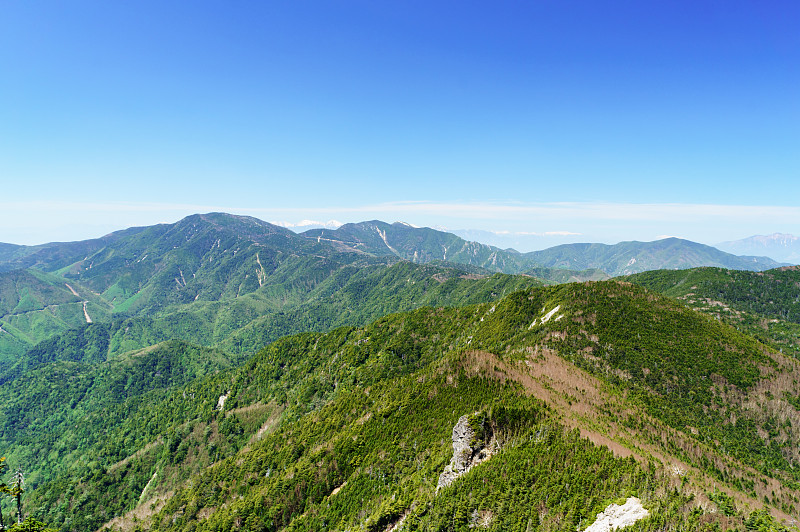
point(779, 246)
point(774, 238)
point(779, 238)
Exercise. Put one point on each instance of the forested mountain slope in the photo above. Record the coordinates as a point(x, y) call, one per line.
point(135, 412)
point(765, 304)
point(350, 295)
point(205, 257)
point(85, 354)
point(351, 429)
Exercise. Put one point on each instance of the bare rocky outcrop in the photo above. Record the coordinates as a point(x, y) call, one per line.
point(221, 401)
point(619, 516)
point(467, 452)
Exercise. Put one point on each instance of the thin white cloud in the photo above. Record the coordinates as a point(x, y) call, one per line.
point(544, 233)
point(330, 224)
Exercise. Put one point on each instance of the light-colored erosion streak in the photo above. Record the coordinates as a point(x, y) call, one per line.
point(72, 289)
point(383, 236)
point(262, 275)
point(86, 314)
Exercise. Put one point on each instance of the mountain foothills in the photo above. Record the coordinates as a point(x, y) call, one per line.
point(223, 373)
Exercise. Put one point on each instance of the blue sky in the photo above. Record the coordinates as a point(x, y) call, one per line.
point(567, 121)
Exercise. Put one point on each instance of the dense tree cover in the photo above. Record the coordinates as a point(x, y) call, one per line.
point(63, 390)
point(764, 304)
point(207, 276)
point(350, 429)
point(562, 275)
point(680, 366)
point(84, 344)
point(382, 450)
point(52, 415)
point(14, 491)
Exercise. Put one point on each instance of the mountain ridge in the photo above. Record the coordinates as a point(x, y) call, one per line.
point(426, 244)
point(402, 240)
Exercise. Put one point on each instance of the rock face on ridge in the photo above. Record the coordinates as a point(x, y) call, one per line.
point(467, 452)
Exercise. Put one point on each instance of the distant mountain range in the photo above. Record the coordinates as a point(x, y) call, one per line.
point(425, 245)
point(209, 276)
point(779, 246)
point(626, 258)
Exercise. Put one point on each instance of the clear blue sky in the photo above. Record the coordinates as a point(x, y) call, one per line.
point(612, 120)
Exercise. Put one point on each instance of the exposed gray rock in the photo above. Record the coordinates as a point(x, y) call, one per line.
point(466, 452)
point(616, 516)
